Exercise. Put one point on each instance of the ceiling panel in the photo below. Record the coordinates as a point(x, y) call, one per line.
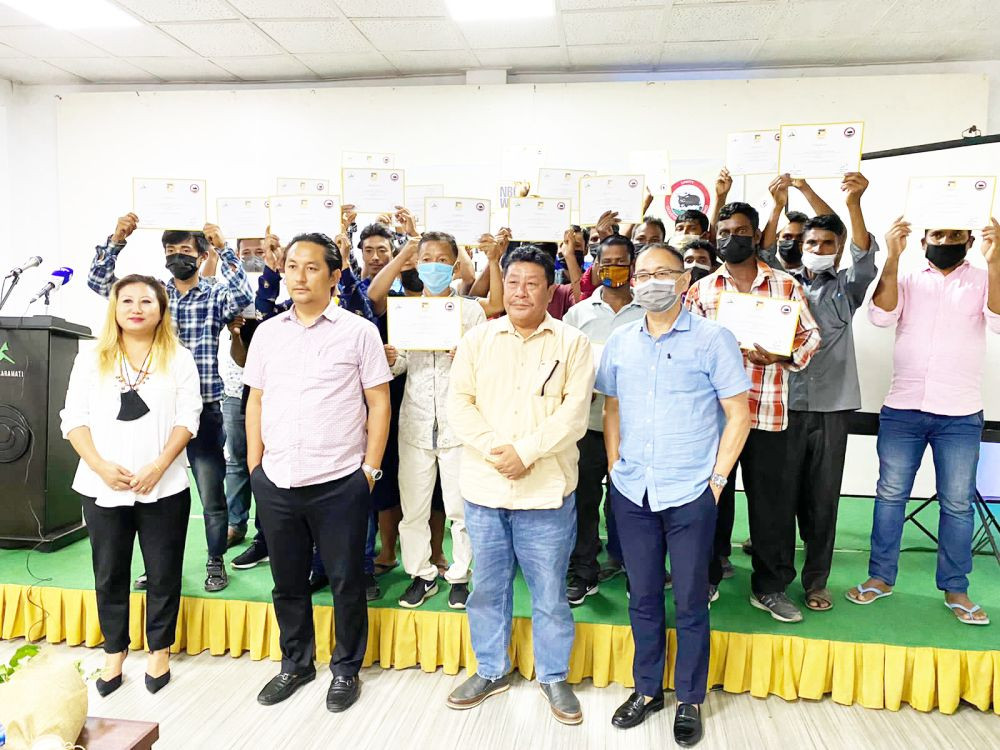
point(228, 38)
point(729, 21)
point(286, 8)
point(182, 68)
point(44, 42)
point(444, 61)
point(348, 65)
point(392, 8)
point(141, 41)
point(693, 55)
point(530, 59)
point(536, 33)
point(316, 37)
point(430, 34)
point(266, 68)
point(29, 70)
point(609, 56)
point(181, 10)
point(106, 69)
point(639, 25)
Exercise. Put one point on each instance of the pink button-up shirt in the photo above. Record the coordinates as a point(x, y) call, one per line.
point(940, 340)
point(313, 412)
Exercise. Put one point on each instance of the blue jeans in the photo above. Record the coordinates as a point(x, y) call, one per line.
point(541, 542)
point(903, 436)
point(237, 473)
point(208, 464)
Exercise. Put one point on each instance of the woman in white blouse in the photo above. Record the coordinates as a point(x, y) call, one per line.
point(132, 406)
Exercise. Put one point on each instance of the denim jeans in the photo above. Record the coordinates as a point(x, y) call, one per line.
point(208, 464)
point(540, 541)
point(903, 436)
point(237, 473)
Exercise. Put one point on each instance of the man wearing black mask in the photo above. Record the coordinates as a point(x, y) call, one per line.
point(782, 249)
point(201, 310)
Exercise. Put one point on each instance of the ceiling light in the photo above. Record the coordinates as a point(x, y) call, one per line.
point(74, 14)
point(499, 10)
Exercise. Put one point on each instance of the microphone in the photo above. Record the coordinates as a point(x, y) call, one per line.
point(33, 261)
point(60, 277)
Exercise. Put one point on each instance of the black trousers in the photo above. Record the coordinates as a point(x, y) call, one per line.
point(162, 529)
point(817, 444)
point(589, 492)
point(335, 516)
point(771, 506)
point(646, 536)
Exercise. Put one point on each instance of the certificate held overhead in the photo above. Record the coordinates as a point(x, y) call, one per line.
point(820, 150)
point(170, 203)
point(373, 190)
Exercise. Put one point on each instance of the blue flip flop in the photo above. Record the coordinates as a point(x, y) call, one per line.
point(969, 611)
point(862, 589)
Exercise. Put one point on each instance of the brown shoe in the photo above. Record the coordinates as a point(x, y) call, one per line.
point(234, 536)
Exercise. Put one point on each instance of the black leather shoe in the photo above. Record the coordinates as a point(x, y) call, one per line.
point(343, 693)
point(317, 581)
point(634, 711)
point(687, 725)
point(155, 684)
point(283, 687)
point(107, 687)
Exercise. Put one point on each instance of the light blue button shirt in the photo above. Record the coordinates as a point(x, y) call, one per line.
point(668, 392)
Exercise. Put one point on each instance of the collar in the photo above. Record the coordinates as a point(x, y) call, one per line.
point(330, 313)
point(764, 272)
point(682, 323)
point(201, 287)
point(545, 325)
point(931, 267)
point(597, 298)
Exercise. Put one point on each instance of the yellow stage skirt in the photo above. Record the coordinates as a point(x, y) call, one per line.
point(874, 675)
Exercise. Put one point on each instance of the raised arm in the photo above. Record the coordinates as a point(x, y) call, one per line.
point(723, 184)
point(779, 195)
point(378, 290)
point(817, 204)
point(886, 298)
point(102, 269)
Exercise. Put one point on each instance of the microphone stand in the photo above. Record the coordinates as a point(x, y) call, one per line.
point(16, 278)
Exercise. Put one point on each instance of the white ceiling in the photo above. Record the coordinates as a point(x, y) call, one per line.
point(309, 40)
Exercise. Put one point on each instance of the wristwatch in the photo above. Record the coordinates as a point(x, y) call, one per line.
point(718, 481)
point(375, 474)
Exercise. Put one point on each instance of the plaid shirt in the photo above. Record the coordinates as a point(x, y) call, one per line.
point(352, 295)
point(200, 315)
point(768, 394)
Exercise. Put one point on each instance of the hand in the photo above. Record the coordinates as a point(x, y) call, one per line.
point(762, 357)
point(409, 251)
point(144, 481)
point(391, 353)
point(235, 326)
point(854, 184)
point(895, 238)
point(348, 215)
point(605, 225)
point(779, 190)
point(371, 482)
point(716, 492)
point(451, 353)
point(214, 236)
point(647, 201)
point(404, 219)
point(115, 476)
point(522, 189)
point(723, 184)
point(124, 228)
point(507, 462)
point(991, 243)
point(272, 252)
point(384, 219)
point(800, 184)
point(568, 244)
point(343, 243)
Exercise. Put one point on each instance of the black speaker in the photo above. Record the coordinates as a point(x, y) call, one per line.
point(37, 504)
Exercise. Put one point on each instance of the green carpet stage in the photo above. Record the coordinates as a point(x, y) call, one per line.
point(907, 648)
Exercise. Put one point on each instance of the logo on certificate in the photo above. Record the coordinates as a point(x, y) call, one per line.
point(786, 309)
point(560, 206)
point(633, 183)
point(480, 206)
point(980, 184)
point(320, 187)
point(267, 204)
point(195, 188)
point(777, 136)
point(394, 176)
point(449, 306)
point(849, 132)
point(328, 203)
point(385, 160)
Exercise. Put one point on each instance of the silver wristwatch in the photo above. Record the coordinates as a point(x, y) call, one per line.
point(719, 481)
point(375, 474)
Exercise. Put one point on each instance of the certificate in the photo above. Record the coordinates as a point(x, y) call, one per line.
point(538, 219)
point(754, 319)
point(415, 195)
point(950, 202)
point(303, 186)
point(465, 218)
point(373, 190)
point(822, 150)
point(655, 165)
point(561, 183)
point(169, 204)
point(424, 323)
point(621, 193)
point(242, 218)
point(367, 159)
point(753, 152)
point(290, 215)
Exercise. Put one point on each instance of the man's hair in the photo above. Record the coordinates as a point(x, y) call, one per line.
point(656, 223)
point(664, 246)
point(448, 239)
point(729, 210)
point(532, 254)
point(693, 214)
point(584, 231)
point(829, 222)
point(705, 245)
point(376, 230)
point(796, 217)
point(177, 236)
point(331, 253)
point(616, 240)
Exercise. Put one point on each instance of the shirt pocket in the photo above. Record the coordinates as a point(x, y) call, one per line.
point(549, 379)
point(966, 301)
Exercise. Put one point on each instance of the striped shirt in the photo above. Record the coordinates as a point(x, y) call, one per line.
point(768, 394)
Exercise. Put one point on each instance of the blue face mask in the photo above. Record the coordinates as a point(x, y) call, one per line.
point(436, 276)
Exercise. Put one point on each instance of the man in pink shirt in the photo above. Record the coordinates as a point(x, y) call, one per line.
point(941, 313)
point(317, 421)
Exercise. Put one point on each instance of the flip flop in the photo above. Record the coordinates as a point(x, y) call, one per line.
point(820, 595)
point(969, 611)
point(862, 589)
point(382, 568)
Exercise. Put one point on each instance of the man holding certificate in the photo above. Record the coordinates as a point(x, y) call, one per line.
point(758, 303)
point(521, 388)
point(941, 313)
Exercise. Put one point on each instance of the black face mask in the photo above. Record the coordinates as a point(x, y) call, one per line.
point(132, 407)
point(946, 256)
point(697, 274)
point(736, 248)
point(790, 251)
point(182, 267)
point(411, 281)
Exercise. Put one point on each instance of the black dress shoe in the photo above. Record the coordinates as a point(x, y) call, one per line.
point(634, 711)
point(687, 725)
point(283, 686)
point(106, 688)
point(317, 581)
point(343, 693)
point(155, 684)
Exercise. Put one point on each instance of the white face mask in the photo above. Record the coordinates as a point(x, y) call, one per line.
point(816, 263)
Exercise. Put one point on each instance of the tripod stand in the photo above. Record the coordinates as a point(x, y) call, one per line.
point(986, 536)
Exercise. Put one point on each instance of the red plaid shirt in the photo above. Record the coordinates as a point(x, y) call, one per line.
point(769, 387)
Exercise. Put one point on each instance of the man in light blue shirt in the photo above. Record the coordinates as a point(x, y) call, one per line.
point(675, 420)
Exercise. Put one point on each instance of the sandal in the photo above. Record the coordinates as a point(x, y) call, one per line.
point(970, 611)
point(862, 589)
point(819, 600)
point(382, 568)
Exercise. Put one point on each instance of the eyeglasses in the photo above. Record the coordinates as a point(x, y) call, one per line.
point(663, 275)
